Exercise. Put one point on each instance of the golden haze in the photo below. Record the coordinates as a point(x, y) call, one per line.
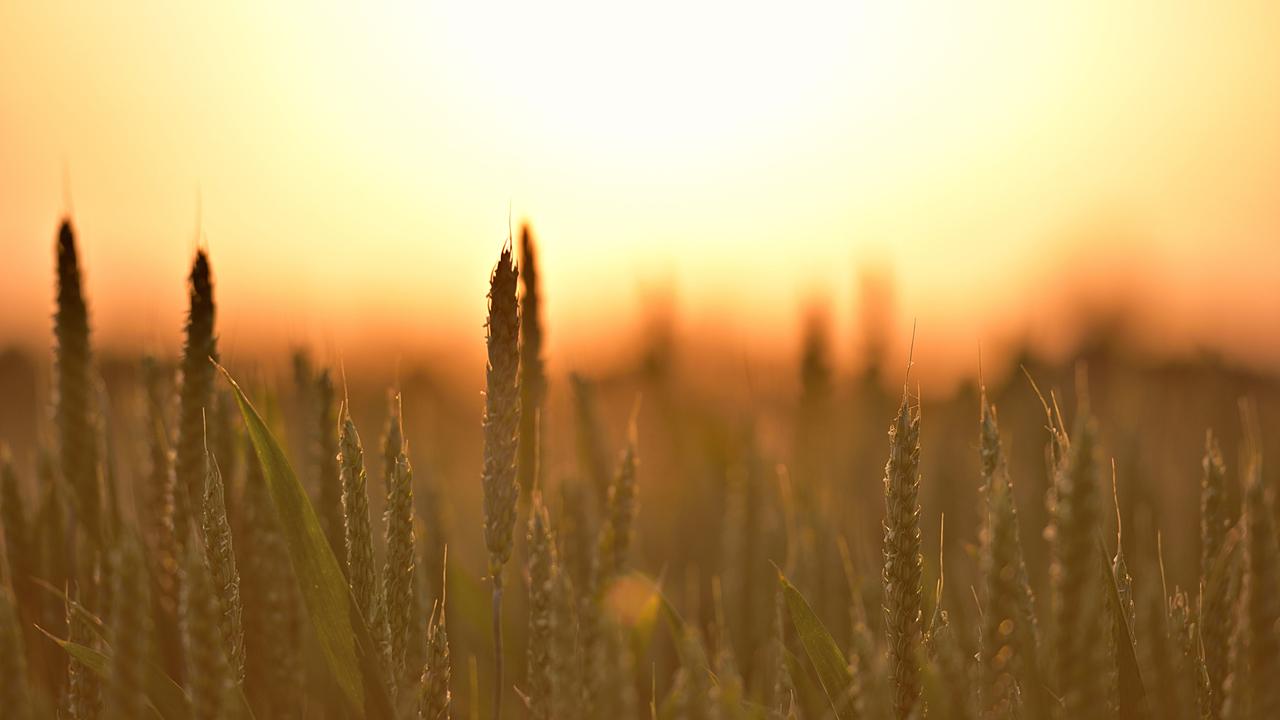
point(354, 170)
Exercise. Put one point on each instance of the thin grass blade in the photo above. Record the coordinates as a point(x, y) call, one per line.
point(830, 664)
point(165, 696)
point(1133, 695)
point(343, 636)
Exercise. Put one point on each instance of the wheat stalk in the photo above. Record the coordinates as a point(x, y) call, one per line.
point(434, 696)
point(361, 571)
point(166, 510)
point(593, 459)
point(392, 443)
point(615, 543)
point(533, 380)
point(272, 616)
point(501, 421)
point(77, 434)
point(169, 510)
point(1236, 687)
point(197, 383)
point(131, 634)
point(1010, 655)
point(1080, 615)
point(1261, 597)
point(902, 560)
point(210, 681)
point(328, 476)
point(220, 558)
point(15, 532)
point(398, 575)
point(1215, 615)
point(83, 700)
point(1179, 670)
point(430, 526)
point(783, 692)
point(15, 693)
point(1001, 650)
point(1120, 566)
point(542, 570)
point(566, 649)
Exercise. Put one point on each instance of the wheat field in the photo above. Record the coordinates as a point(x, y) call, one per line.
point(208, 536)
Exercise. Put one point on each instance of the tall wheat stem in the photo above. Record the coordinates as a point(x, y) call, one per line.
point(501, 422)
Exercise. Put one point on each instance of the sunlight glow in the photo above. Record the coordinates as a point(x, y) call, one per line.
point(358, 165)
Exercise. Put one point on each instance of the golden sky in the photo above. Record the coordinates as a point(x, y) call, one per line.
point(354, 166)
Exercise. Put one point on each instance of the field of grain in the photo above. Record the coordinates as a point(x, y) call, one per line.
point(216, 537)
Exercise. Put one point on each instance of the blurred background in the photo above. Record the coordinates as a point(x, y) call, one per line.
point(741, 213)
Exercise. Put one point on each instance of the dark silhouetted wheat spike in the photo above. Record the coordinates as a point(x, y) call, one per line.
point(502, 414)
point(501, 421)
point(77, 436)
point(533, 379)
point(196, 394)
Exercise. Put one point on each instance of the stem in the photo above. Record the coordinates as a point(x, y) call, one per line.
point(497, 645)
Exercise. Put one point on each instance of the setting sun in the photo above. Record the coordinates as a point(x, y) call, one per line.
point(371, 158)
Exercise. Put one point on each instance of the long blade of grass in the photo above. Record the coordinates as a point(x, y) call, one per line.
point(159, 683)
point(832, 668)
point(165, 696)
point(92, 621)
point(1133, 696)
point(344, 636)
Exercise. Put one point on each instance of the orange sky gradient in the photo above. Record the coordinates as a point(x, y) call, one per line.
point(354, 168)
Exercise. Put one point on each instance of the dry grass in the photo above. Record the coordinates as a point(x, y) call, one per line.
point(168, 578)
